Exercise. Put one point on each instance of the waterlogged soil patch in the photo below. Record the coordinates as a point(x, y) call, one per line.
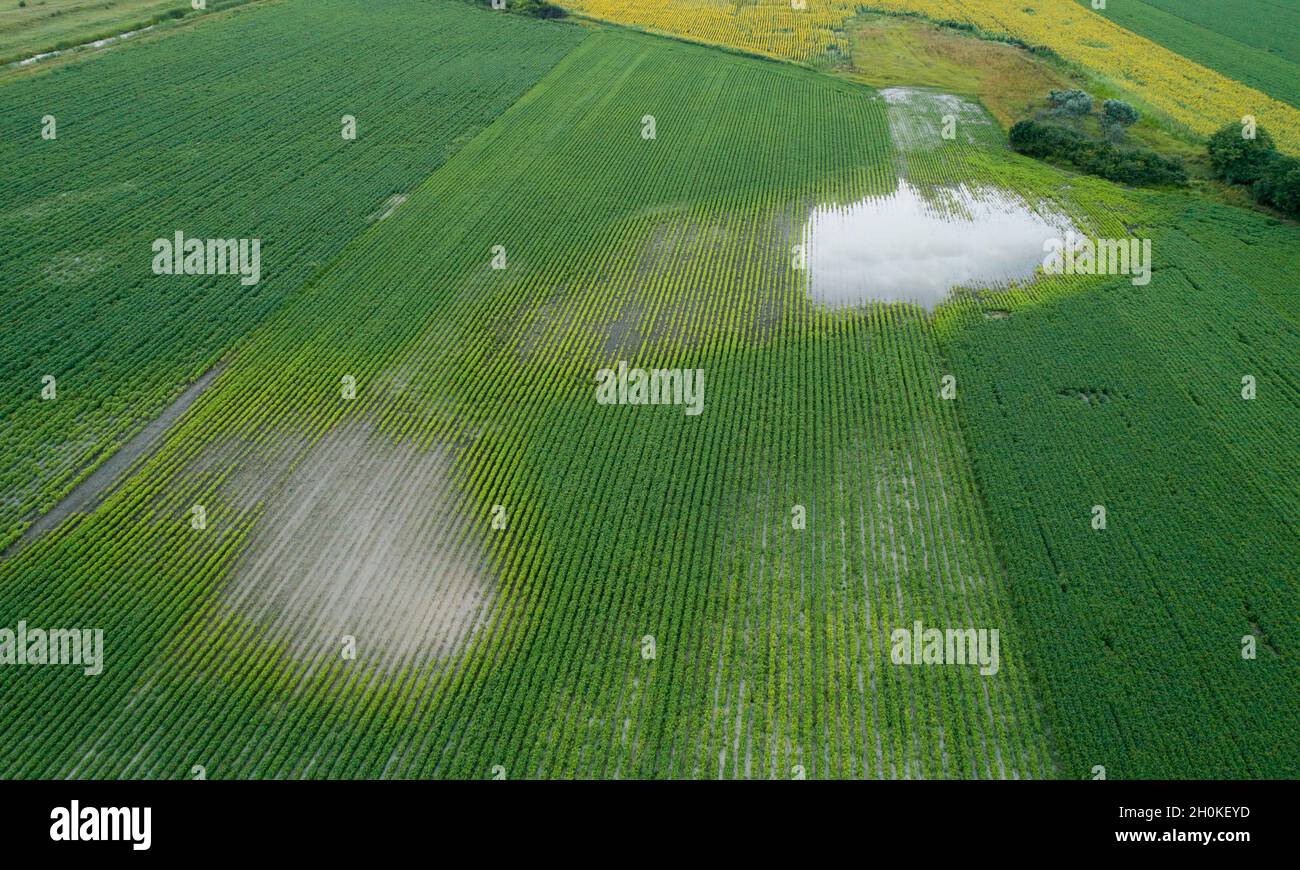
point(1087, 395)
point(70, 200)
point(889, 51)
point(365, 539)
point(74, 267)
point(650, 293)
point(906, 247)
point(916, 119)
point(392, 204)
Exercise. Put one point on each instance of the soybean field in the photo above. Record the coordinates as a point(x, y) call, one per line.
point(632, 394)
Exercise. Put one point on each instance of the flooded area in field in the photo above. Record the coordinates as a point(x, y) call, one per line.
point(916, 120)
point(914, 247)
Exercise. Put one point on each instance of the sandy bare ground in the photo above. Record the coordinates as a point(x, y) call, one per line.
point(365, 538)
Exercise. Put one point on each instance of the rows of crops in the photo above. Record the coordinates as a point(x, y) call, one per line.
point(400, 537)
point(775, 28)
point(1132, 399)
point(526, 646)
point(1238, 38)
point(1200, 98)
point(219, 132)
point(1268, 25)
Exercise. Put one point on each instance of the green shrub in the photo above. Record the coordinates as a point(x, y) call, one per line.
point(1120, 113)
point(1279, 185)
point(1236, 159)
point(1070, 147)
point(1071, 102)
point(1274, 178)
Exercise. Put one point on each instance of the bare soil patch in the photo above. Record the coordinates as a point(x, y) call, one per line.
point(365, 538)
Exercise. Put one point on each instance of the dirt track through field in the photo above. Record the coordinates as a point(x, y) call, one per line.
point(91, 491)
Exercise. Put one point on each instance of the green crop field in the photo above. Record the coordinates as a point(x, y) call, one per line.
point(1253, 41)
point(477, 383)
point(1131, 398)
point(197, 133)
point(403, 530)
